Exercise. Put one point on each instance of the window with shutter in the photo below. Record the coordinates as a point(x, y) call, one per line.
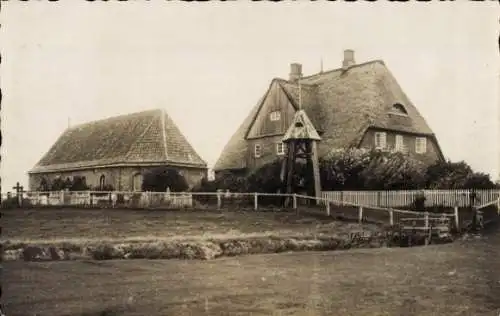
point(399, 145)
point(257, 151)
point(380, 140)
point(280, 148)
point(420, 145)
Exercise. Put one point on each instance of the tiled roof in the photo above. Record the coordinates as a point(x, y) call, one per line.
point(142, 138)
point(342, 105)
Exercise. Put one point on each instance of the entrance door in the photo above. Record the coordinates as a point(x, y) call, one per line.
point(137, 182)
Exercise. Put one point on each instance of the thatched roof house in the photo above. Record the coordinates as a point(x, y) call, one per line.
point(116, 151)
point(357, 105)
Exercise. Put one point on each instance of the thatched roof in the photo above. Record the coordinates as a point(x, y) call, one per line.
point(342, 104)
point(143, 138)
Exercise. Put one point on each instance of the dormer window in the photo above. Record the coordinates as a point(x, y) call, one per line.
point(399, 109)
point(275, 116)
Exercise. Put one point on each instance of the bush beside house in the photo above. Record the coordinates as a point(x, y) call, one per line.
point(359, 169)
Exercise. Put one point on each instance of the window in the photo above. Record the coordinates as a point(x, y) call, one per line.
point(380, 142)
point(280, 148)
point(399, 109)
point(257, 151)
point(420, 145)
point(275, 116)
point(102, 182)
point(399, 145)
point(44, 185)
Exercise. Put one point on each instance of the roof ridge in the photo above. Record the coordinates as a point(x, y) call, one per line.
point(340, 69)
point(303, 84)
point(261, 103)
point(164, 132)
point(111, 118)
point(139, 138)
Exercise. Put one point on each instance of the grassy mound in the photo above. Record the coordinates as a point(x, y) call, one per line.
point(202, 249)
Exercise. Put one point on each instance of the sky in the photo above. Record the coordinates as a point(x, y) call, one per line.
point(207, 64)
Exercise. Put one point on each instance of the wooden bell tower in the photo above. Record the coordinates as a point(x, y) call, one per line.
point(301, 141)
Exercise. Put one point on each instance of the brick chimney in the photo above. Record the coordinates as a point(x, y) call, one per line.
point(348, 58)
point(295, 72)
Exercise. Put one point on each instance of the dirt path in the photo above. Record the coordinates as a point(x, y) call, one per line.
point(456, 279)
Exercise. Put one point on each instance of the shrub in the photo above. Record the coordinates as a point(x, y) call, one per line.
point(205, 186)
point(456, 175)
point(12, 202)
point(361, 169)
point(160, 178)
point(234, 182)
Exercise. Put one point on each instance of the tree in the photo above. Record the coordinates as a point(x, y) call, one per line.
point(393, 171)
point(79, 184)
point(448, 175)
point(58, 184)
point(361, 169)
point(479, 180)
point(161, 178)
point(342, 169)
point(267, 178)
point(231, 181)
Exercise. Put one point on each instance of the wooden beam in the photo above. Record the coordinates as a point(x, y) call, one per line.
point(316, 175)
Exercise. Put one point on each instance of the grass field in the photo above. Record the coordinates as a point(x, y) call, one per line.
point(453, 279)
point(193, 234)
point(50, 224)
point(462, 278)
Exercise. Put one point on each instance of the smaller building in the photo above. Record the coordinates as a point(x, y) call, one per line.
point(116, 152)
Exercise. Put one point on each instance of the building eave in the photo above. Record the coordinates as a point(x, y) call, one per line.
point(56, 169)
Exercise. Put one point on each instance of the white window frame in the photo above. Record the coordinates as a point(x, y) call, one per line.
point(399, 146)
point(275, 116)
point(280, 148)
point(257, 151)
point(383, 140)
point(421, 145)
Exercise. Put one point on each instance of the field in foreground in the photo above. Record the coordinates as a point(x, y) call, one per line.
point(76, 234)
point(455, 279)
point(67, 224)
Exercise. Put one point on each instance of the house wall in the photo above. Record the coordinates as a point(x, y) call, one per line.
point(276, 100)
point(120, 178)
point(268, 151)
point(429, 157)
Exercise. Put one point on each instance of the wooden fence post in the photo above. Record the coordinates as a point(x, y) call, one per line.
point(457, 219)
point(391, 217)
point(295, 201)
point(219, 200)
point(360, 214)
point(327, 208)
point(428, 231)
point(256, 201)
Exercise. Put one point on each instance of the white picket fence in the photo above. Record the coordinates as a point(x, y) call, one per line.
point(88, 198)
point(446, 198)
